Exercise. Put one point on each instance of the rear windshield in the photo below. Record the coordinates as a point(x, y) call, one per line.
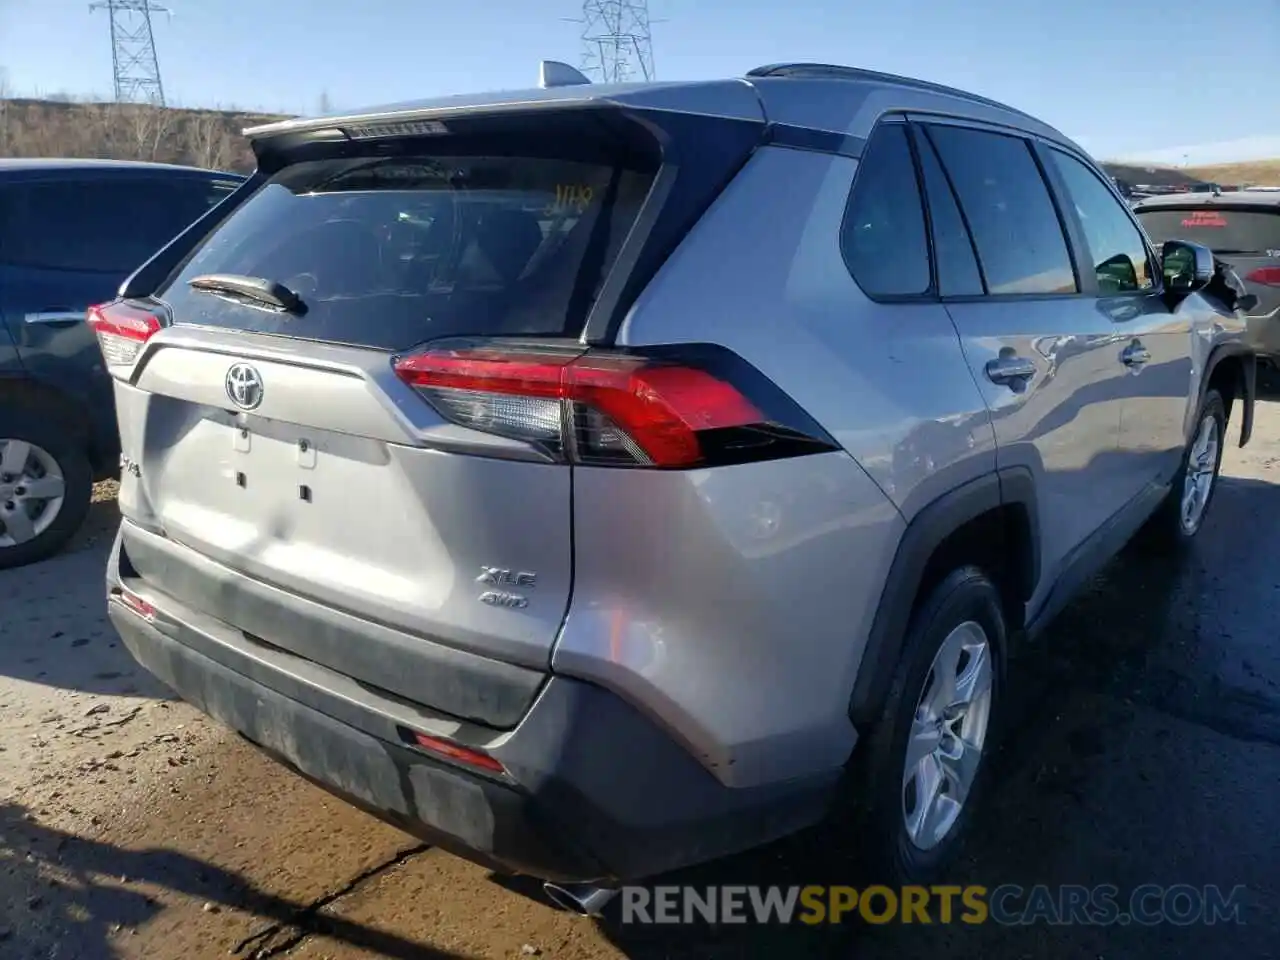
point(1221, 230)
point(388, 253)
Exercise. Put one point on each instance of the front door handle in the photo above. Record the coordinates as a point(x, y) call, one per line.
point(1135, 355)
point(1010, 369)
point(55, 316)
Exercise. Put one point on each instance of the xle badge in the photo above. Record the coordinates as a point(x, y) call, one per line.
point(499, 576)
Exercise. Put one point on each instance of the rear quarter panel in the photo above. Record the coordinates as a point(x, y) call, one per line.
point(734, 604)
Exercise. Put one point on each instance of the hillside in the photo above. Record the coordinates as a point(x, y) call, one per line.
point(1155, 176)
point(118, 131)
point(1262, 172)
point(211, 138)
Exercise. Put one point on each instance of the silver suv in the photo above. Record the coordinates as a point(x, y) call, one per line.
point(578, 477)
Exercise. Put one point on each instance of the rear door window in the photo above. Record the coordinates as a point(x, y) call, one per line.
point(102, 225)
point(1221, 229)
point(391, 252)
point(958, 274)
point(1009, 211)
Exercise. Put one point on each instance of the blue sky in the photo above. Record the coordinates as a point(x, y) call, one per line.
point(1145, 78)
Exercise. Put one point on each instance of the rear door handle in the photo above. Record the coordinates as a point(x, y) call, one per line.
point(1135, 355)
point(55, 316)
point(1007, 370)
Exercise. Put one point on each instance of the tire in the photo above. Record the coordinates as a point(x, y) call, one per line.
point(1168, 526)
point(48, 444)
point(883, 788)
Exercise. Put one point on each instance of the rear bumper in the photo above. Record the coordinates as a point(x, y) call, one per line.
point(593, 790)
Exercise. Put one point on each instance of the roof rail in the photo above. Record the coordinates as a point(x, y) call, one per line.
point(829, 71)
point(553, 73)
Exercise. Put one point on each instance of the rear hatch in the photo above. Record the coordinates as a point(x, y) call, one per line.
point(1245, 237)
point(273, 406)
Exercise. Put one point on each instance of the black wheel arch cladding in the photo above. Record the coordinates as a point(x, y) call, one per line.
point(929, 529)
point(1244, 390)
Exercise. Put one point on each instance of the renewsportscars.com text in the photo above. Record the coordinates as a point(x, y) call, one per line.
point(1009, 904)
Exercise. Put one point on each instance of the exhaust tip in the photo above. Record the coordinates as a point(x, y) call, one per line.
point(583, 899)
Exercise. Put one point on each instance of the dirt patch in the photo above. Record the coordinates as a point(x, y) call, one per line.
point(132, 828)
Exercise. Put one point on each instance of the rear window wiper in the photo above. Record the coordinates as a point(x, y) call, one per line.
point(255, 291)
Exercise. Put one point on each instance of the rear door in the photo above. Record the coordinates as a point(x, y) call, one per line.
point(66, 243)
point(1247, 236)
point(284, 446)
point(1044, 358)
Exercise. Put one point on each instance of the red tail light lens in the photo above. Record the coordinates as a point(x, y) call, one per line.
point(453, 751)
point(1268, 276)
point(607, 409)
point(122, 328)
point(137, 604)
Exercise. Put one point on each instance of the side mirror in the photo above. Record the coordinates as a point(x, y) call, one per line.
point(1187, 266)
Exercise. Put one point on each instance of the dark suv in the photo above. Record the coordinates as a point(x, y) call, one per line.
point(70, 232)
point(1242, 228)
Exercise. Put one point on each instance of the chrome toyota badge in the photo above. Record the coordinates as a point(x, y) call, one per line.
point(244, 386)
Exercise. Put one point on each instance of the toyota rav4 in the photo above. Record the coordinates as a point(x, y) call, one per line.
point(597, 480)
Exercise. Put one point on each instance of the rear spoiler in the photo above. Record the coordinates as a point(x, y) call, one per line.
point(560, 87)
point(551, 74)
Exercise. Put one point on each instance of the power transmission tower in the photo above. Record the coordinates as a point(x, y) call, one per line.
point(133, 50)
point(617, 42)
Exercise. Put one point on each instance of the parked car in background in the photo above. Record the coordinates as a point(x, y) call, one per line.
point(1243, 230)
point(70, 232)
point(598, 481)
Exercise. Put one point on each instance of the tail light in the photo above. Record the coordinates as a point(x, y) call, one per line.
point(1268, 276)
point(615, 409)
point(123, 328)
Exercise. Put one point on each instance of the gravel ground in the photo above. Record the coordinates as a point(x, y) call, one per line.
point(1147, 748)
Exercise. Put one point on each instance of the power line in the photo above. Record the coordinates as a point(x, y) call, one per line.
point(617, 40)
point(133, 50)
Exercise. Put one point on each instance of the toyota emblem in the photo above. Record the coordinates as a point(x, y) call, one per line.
point(244, 386)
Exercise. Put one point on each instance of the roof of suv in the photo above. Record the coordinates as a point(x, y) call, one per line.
point(828, 97)
point(1230, 198)
point(61, 164)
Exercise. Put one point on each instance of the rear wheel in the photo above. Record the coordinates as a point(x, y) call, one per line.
point(923, 768)
point(45, 487)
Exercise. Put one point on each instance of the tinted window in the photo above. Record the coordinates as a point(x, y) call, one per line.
point(1009, 210)
point(101, 226)
point(1115, 244)
point(957, 265)
point(1222, 230)
point(389, 253)
point(883, 237)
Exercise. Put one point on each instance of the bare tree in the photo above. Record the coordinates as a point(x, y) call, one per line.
point(148, 128)
point(106, 128)
point(208, 142)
